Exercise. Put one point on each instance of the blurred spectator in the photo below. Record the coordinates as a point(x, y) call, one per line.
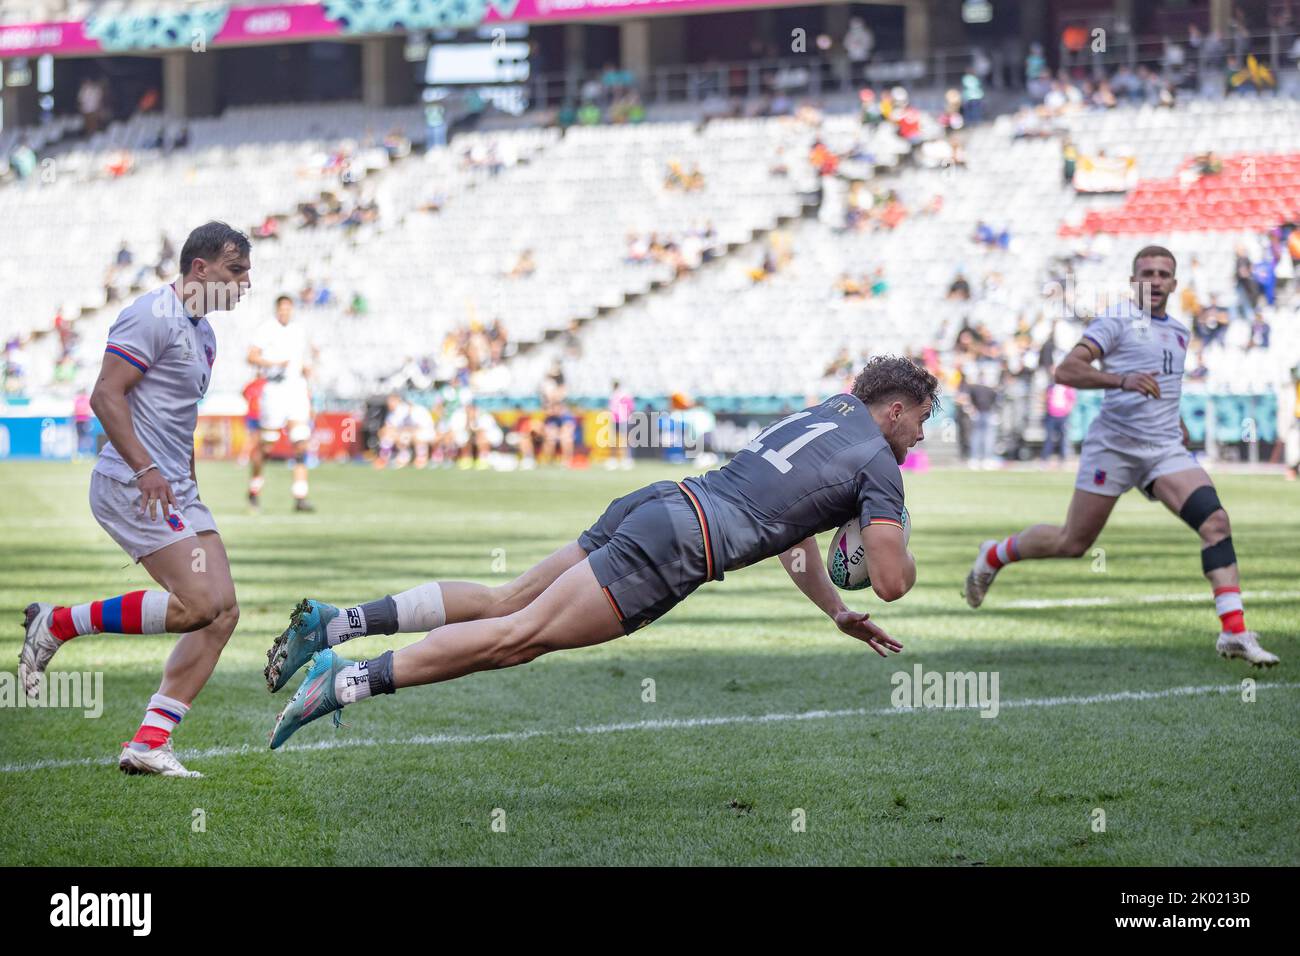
point(1060, 402)
point(859, 42)
point(678, 178)
point(15, 368)
point(981, 399)
point(1069, 161)
point(524, 265)
point(83, 418)
point(90, 103)
point(1247, 288)
point(23, 159)
point(972, 97)
point(621, 406)
point(560, 425)
point(1035, 62)
point(473, 433)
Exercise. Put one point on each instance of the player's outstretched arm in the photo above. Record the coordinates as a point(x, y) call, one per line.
point(1077, 371)
point(804, 564)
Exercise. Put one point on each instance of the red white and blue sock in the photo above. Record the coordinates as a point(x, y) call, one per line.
point(1227, 604)
point(1004, 552)
point(139, 612)
point(162, 717)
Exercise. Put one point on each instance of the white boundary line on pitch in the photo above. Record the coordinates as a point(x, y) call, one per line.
point(681, 723)
point(1199, 598)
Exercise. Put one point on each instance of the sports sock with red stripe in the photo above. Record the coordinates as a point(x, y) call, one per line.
point(138, 612)
point(1227, 604)
point(160, 719)
point(1004, 552)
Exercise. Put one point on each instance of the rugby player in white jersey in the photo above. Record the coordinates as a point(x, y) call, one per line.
point(1137, 441)
point(144, 492)
point(281, 354)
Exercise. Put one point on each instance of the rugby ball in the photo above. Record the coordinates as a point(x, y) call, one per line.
point(846, 560)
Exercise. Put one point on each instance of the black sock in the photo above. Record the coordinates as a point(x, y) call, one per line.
point(380, 672)
point(381, 616)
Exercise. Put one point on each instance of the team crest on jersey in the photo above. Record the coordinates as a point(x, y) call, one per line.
point(1099, 476)
point(174, 522)
point(1182, 342)
point(212, 356)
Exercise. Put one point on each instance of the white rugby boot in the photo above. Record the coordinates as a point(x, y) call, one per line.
point(981, 576)
point(38, 646)
point(160, 760)
point(1246, 646)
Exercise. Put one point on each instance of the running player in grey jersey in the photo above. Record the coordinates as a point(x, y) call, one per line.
point(1138, 441)
point(810, 472)
point(144, 492)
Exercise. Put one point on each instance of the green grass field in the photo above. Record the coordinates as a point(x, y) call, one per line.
point(587, 772)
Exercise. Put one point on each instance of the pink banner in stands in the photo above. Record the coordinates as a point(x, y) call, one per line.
point(535, 11)
point(243, 25)
point(310, 22)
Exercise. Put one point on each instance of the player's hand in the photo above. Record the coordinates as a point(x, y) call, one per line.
point(855, 624)
point(1144, 382)
point(156, 498)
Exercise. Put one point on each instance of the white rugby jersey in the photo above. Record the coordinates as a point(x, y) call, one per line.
point(1132, 341)
point(175, 353)
point(283, 343)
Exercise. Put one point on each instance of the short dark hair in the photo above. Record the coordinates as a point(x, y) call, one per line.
point(209, 241)
point(283, 298)
point(888, 376)
point(1148, 252)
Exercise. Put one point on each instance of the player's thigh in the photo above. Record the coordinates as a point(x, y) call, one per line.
point(525, 588)
point(196, 569)
point(1174, 489)
point(572, 612)
point(1087, 516)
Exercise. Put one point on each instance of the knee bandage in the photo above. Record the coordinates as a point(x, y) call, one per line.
point(1219, 555)
point(1198, 507)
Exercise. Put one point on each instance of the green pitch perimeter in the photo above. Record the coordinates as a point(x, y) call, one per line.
point(579, 768)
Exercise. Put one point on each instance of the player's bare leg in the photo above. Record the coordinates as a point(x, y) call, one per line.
point(203, 610)
point(1083, 523)
point(573, 612)
point(257, 462)
point(300, 487)
point(1190, 494)
point(315, 626)
point(49, 626)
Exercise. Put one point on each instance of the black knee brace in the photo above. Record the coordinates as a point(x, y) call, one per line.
point(1200, 504)
point(1219, 555)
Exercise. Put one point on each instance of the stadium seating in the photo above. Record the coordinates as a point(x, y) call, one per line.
point(573, 200)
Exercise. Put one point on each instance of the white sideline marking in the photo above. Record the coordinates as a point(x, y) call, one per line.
point(1199, 598)
point(514, 736)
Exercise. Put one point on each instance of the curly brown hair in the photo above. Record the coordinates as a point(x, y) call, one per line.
point(890, 376)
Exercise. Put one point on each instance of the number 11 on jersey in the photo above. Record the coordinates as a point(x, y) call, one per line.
point(780, 458)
